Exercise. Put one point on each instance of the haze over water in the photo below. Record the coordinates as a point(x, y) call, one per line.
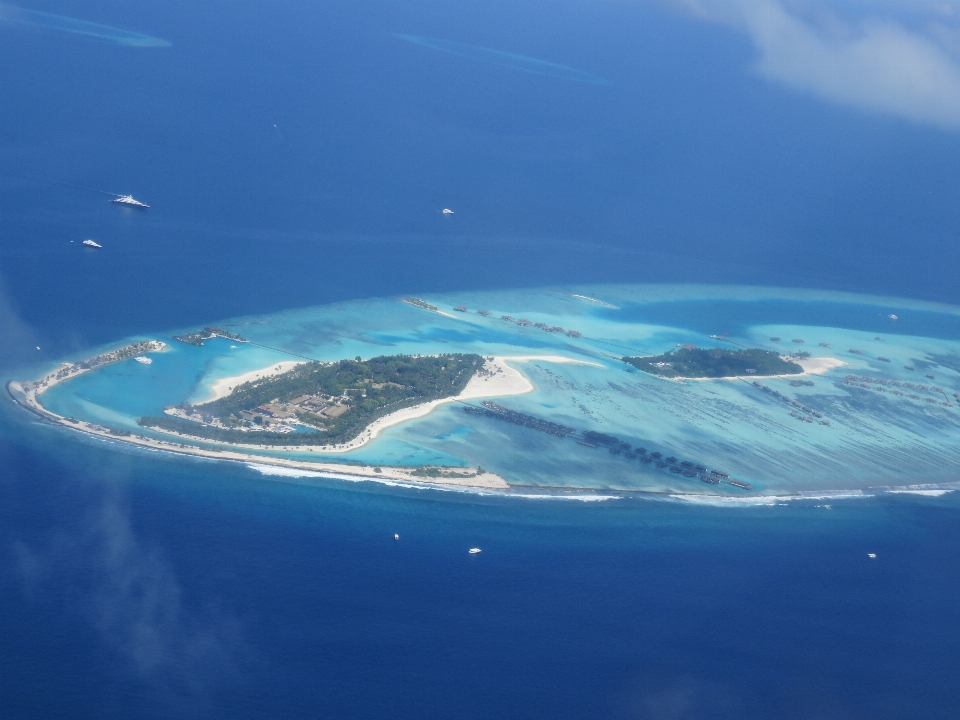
point(300, 154)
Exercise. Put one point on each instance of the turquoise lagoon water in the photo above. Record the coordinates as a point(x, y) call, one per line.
point(874, 438)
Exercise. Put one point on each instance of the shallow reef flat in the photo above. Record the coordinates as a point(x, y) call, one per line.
point(878, 403)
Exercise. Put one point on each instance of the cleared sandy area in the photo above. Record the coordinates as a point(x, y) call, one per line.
point(818, 366)
point(225, 386)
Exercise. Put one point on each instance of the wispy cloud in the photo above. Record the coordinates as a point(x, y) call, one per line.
point(129, 591)
point(505, 59)
point(890, 58)
point(62, 23)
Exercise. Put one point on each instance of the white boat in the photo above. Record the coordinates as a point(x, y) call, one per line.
point(129, 202)
point(447, 211)
point(396, 536)
point(91, 243)
point(474, 551)
point(143, 360)
point(871, 555)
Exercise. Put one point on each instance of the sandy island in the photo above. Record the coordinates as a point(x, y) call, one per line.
point(811, 366)
point(496, 379)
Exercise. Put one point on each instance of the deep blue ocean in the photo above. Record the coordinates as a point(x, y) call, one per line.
point(299, 153)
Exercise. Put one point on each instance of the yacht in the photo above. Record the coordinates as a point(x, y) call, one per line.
point(91, 243)
point(129, 202)
point(447, 211)
point(143, 360)
point(474, 551)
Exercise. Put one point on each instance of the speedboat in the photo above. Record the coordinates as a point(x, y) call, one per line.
point(129, 202)
point(474, 551)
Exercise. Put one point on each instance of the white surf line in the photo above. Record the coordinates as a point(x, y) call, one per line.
point(764, 500)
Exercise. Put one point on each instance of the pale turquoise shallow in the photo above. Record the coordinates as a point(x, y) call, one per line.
point(874, 439)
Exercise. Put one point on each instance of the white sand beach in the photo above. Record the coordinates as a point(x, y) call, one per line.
point(224, 386)
point(497, 379)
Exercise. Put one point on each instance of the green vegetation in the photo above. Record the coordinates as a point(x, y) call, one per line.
point(207, 333)
point(422, 304)
point(433, 471)
point(714, 363)
point(335, 400)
